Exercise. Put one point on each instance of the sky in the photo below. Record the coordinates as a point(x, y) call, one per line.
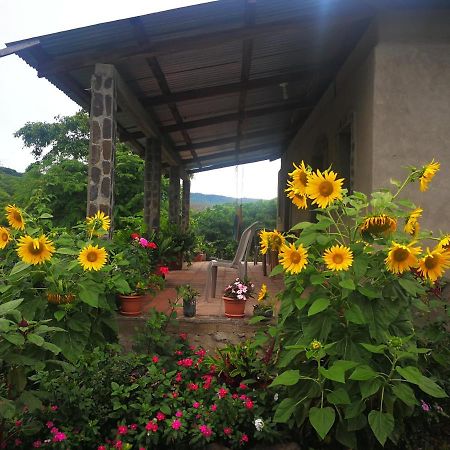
point(26, 98)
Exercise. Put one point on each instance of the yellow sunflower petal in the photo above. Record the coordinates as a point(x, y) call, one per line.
point(5, 237)
point(402, 257)
point(412, 225)
point(92, 257)
point(378, 225)
point(293, 259)
point(429, 171)
point(338, 257)
point(262, 293)
point(298, 200)
point(35, 250)
point(299, 178)
point(323, 188)
point(433, 264)
point(99, 221)
point(14, 216)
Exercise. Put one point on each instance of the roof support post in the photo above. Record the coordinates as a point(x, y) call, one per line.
point(185, 204)
point(102, 142)
point(152, 185)
point(174, 195)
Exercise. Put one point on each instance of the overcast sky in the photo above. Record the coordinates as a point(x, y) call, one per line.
point(26, 98)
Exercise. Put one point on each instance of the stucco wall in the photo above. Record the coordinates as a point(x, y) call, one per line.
point(348, 98)
point(412, 107)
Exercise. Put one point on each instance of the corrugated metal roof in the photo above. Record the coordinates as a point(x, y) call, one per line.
point(200, 52)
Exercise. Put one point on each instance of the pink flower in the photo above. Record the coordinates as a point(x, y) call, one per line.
point(178, 377)
point(227, 431)
point(54, 408)
point(179, 413)
point(122, 429)
point(49, 424)
point(244, 438)
point(196, 405)
point(205, 430)
point(155, 359)
point(143, 242)
point(160, 416)
point(213, 408)
point(201, 352)
point(18, 442)
point(249, 404)
point(152, 245)
point(118, 444)
point(425, 406)
point(178, 352)
point(101, 447)
point(234, 396)
point(242, 386)
point(38, 444)
point(59, 437)
point(133, 426)
point(151, 426)
point(18, 423)
point(54, 430)
point(175, 394)
point(192, 387)
point(222, 393)
point(176, 424)
point(183, 336)
point(243, 397)
point(185, 362)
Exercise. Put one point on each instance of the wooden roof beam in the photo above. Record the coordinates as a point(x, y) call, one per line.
point(338, 18)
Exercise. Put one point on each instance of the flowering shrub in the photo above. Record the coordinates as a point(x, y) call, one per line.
point(349, 363)
point(239, 289)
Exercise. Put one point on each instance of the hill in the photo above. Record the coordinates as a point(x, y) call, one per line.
point(203, 201)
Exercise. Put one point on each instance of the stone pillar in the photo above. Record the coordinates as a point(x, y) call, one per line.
point(185, 204)
point(174, 195)
point(100, 196)
point(152, 185)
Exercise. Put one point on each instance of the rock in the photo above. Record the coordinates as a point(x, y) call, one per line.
point(215, 446)
point(220, 337)
point(284, 446)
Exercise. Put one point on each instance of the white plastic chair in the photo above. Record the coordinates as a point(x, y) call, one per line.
point(239, 261)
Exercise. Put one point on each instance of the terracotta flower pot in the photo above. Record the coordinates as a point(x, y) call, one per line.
point(234, 308)
point(131, 305)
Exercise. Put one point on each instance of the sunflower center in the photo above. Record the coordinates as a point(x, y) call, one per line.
point(35, 249)
point(17, 216)
point(431, 262)
point(296, 257)
point(5, 237)
point(326, 188)
point(400, 254)
point(303, 178)
point(91, 256)
point(338, 258)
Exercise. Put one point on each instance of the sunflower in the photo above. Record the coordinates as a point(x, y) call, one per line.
point(292, 258)
point(35, 250)
point(271, 240)
point(299, 179)
point(15, 217)
point(402, 257)
point(99, 221)
point(262, 293)
point(92, 257)
point(5, 237)
point(297, 199)
point(264, 241)
point(324, 188)
point(412, 226)
point(338, 257)
point(444, 244)
point(434, 263)
point(428, 172)
point(376, 225)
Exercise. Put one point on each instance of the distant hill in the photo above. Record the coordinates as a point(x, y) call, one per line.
point(203, 201)
point(8, 171)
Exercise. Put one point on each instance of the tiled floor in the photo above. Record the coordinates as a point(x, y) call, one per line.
point(195, 275)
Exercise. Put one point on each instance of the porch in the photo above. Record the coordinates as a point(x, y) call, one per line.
point(209, 328)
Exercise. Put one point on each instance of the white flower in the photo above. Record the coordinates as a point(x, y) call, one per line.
point(275, 397)
point(259, 424)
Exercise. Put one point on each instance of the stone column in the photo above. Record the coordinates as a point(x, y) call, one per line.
point(174, 195)
point(152, 185)
point(100, 196)
point(185, 204)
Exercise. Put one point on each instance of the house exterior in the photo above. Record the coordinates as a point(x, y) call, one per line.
point(387, 107)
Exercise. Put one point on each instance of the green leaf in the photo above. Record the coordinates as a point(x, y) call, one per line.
point(382, 425)
point(67, 251)
point(347, 283)
point(7, 307)
point(30, 400)
point(51, 347)
point(88, 296)
point(336, 371)
point(409, 286)
point(322, 419)
point(287, 378)
point(405, 394)
point(318, 306)
point(413, 375)
point(363, 373)
point(355, 315)
point(374, 348)
point(19, 267)
point(355, 409)
point(7, 408)
point(360, 266)
point(368, 292)
point(317, 279)
point(256, 319)
point(276, 270)
point(35, 339)
point(301, 226)
point(45, 216)
point(285, 410)
point(339, 397)
point(165, 409)
point(16, 338)
point(369, 388)
point(59, 314)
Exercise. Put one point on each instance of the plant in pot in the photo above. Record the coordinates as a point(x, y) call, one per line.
point(136, 263)
point(264, 307)
point(235, 296)
point(189, 296)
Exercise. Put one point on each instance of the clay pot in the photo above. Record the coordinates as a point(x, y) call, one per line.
point(234, 308)
point(131, 305)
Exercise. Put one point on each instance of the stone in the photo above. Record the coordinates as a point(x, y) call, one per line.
point(92, 209)
point(107, 150)
point(97, 82)
point(108, 83)
point(220, 337)
point(107, 129)
point(215, 446)
point(281, 446)
point(95, 175)
point(97, 105)
point(241, 335)
point(106, 187)
point(108, 105)
point(93, 192)
point(95, 154)
point(106, 167)
point(96, 132)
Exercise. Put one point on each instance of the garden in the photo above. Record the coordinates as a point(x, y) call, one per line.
point(356, 357)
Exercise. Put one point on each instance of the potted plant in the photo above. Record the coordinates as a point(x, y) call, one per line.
point(136, 262)
point(235, 296)
point(189, 296)
point(264, 307)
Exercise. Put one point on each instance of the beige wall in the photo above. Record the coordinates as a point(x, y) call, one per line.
point(396, 86)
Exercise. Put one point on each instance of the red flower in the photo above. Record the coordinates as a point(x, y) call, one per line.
point(205, 430)
point(18, 442)
point(38, 444)
point(227, 431)
point(49, 424)
point(183, 336)
point(213, 407)
point(193, 387)
point(59, 437)
point(152, 245)
point(249, 404)
point(178, 377)
point(160, 416)
point(18, 423)
point(244, 438)
point(118, 444)
point(185, 362)
point(176, 424)
point(201, 352)
point(243, 397)
point(133, 426)
point(179, 413)
point(196, 405)
point(242, 386)
point(163, 270)
point(151, 426)
point(135, 236)
point(175, 394)
point(122, 429)
point(155, 359)
point(178, 352)
point(54, 408)
point(222, 393)
point(101, 447)
point(234, 396)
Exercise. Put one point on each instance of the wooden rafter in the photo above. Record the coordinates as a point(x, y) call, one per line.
point(338, 18)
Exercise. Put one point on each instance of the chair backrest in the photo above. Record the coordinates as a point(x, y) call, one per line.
point(244, 244)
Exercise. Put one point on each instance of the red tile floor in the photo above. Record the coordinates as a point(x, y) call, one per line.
point(195, 275)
